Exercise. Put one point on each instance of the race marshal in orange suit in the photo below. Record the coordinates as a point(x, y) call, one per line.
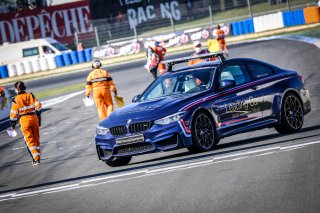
point(100, 83)
point(27, 109)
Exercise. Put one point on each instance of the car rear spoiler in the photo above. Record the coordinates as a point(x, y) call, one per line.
point(170, 63)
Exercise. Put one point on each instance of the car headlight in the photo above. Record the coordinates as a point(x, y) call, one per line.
point(102, 130)
point(170, 119)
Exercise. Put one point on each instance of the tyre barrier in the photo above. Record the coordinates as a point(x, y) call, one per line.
point(43, 64)
point(311, 14)
point(4, 71)
point(59, 60)
point(268, 22)
point(293, 18)
point(81, 56)
point(12, 70)
point(88, 54)
point(20, 68)
point(51, 62)
point(27, 67)
point(35, 65)
point(242, 27)
point(66, 59)
point(74, 57)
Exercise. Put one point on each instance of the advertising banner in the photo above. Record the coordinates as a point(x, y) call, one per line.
point(166, 40)
point(118, 49)
point(58, 22)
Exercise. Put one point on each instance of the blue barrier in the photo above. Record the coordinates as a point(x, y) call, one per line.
point(251, 26)
point(4, 72)
point(59, 60)
point(235, 29)
point(241, 27)
point(66, 59)
point(293, 18)
point(246, 28)
point(81, 56)
point(88, 54)
point(74, 57)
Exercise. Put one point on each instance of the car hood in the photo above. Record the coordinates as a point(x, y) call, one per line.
point(146, 110)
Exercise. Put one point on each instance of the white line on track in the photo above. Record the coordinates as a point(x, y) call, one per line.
point(300, 145)
point(43, 190)
point(114, 176)
point(145, 173)
point(247, 153)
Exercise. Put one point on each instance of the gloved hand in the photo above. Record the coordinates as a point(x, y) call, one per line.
point(115, 92)
point(13, 124)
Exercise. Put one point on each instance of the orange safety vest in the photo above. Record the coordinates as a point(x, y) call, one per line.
point(161, 51)
point(99, 78)
point(24, 104)
point(220, 35)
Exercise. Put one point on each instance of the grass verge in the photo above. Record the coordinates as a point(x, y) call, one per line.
point(60, 91)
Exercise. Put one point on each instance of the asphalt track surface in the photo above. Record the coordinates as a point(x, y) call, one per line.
point(260, 171)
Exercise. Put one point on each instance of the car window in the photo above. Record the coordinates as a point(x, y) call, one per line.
point(234, 72)
point(30, 51)
point(180, 83)
point(47, 50)
point(59, 46)
point(259, 70)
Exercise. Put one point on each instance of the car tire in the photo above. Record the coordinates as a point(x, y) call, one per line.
point(291, 114)
point(114, 162)
point(204, 137)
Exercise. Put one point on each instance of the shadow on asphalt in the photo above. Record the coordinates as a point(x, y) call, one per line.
point(171, 158)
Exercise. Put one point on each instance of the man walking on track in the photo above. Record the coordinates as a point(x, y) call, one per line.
point(100, 83)
point(27, 109)
point(220, 38)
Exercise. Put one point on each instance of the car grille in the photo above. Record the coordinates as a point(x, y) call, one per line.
point(140, 127)
point(133, 128)
point(133, 148)
point(118, 130)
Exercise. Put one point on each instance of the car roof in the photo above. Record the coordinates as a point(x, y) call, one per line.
point(217, 63)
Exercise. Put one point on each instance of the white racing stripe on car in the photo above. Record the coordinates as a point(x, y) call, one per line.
point(146, 173)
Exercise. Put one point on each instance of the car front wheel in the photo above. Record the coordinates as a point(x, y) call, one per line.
point(291, 114)
point(121, 161)
point(203, 133)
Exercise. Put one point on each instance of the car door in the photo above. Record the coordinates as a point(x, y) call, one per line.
point(262, 72)
point(239, 103)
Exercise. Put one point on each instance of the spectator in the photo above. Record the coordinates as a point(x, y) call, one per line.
point(120, 17)
point(80, 46)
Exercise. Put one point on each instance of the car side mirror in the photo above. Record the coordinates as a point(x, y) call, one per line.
point(226, 84)
point(135, 98)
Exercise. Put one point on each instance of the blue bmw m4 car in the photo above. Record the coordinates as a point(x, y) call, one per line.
point(195, 106)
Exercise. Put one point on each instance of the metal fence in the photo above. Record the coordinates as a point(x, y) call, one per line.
point(131, 26)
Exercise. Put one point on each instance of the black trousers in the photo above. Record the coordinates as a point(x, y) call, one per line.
point(154, 72)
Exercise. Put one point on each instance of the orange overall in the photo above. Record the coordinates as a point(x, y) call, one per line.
point(161, 51)
point(2, 98)
point(220, 38)
point(25, 106)
point(100, 82)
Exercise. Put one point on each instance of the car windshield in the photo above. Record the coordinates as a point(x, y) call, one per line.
point(180, 83)
point(59, 46)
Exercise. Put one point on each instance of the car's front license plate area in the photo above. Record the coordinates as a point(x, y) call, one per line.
point(130, 140)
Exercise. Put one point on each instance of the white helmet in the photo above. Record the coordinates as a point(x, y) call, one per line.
point(96, 64)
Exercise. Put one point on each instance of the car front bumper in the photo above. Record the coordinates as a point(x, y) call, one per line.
point(157, 138)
